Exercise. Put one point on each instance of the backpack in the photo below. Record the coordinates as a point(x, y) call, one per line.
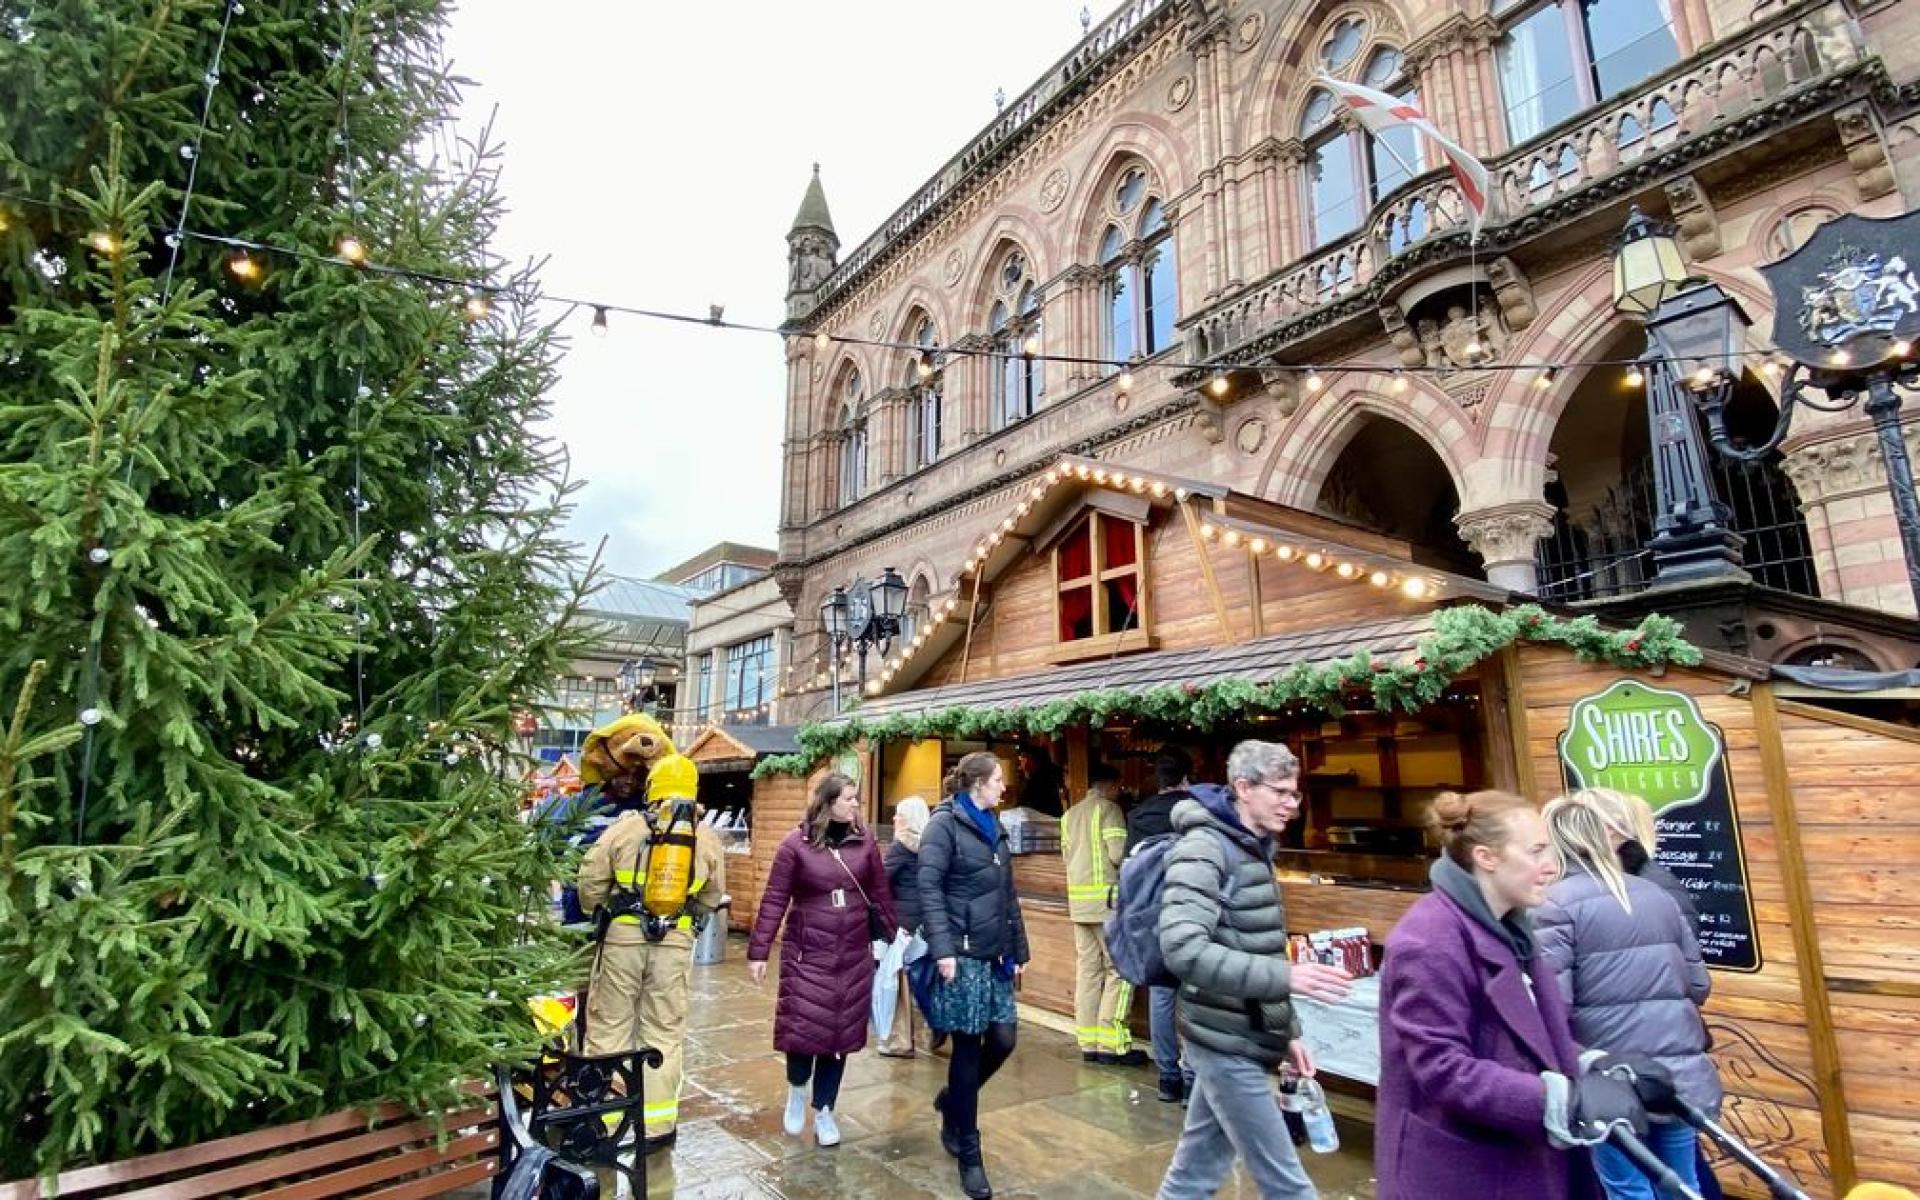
point(1133, 931)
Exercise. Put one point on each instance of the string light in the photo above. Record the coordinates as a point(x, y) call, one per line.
point(477, 307)
point(1413, 589)
point(1379, 579)
point(1544, 379)
point(1704, 377)
point(243, 267)
point(1125, 381)
point(1284, 552)
point(105, 243)
point(1400, 383)
point(1346, 570)
point(1902, 348)
point(924, 365)
point(1634, 377)
point(1314, 382)
point(1315, 561)
point(351, 250)
point(1839, 357)
point(599, 326)
point(1218, 386)
point(822, 341)
point(1031, 346)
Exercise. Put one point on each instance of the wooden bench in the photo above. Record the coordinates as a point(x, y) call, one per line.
point(387, 1155)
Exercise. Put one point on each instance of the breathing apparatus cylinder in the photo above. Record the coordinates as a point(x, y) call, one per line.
point(670, 862)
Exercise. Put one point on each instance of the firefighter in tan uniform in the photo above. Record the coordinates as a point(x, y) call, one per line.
point(1093, 839)
point(653, 880)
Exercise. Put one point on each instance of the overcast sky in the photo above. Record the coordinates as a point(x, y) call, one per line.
point(656, 153)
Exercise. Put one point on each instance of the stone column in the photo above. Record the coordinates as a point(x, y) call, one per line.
point(1504, 536)
point(1842, 486)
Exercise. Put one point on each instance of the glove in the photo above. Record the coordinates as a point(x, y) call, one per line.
point(1599, 1103)
point(1651, 1082)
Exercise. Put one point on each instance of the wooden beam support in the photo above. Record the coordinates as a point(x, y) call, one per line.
point(1828, 1085)
point(1206, 570)
point(1253, 593)
point(973, 615)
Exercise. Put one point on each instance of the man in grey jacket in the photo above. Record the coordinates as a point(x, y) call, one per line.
point(1223, 933)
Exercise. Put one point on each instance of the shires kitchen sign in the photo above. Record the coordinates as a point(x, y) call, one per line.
point(1652, 742)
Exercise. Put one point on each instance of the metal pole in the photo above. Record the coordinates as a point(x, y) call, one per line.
point(1883, 405)
point(833, 665)
point(861, 681)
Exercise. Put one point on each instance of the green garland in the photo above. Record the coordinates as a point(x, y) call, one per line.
point(1461, 637)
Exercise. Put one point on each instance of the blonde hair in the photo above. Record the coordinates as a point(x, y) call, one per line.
point(1627, 815)
point(1474, 819)
point(1578, 830)
point(909, 821)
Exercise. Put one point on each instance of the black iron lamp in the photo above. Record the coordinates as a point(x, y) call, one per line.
point(1647, 265)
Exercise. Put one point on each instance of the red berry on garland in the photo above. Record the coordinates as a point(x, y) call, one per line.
point(1379, 667)
point(1633, 647)
point(1419, 664)
point(1191, 689)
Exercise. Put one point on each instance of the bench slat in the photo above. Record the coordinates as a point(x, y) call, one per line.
point(438, 1185)
point(346, 1183)
point(313, 1158)
point(83, 1181)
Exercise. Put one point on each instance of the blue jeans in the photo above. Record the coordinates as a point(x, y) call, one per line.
point(1234, 1113)
point(1166, 1037)
point(1674, 1142)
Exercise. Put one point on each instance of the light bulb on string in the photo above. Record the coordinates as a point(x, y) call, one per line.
point(477, 307)
point(1314, 382)
point(1902, 348)
point(350, 249)
point(1219, 384)
point(242, 266)
point(599, 326)
point(1125, 381)
point(1544, 379)
point(104, 243)
point(1400, 383)
point(923, 366)
point(1031, 345)
point(1635, 377)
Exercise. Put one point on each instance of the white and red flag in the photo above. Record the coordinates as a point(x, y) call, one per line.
point(1380, 112)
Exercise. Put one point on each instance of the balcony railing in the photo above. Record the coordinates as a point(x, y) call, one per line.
point(1762, 64)
point(1095, 47)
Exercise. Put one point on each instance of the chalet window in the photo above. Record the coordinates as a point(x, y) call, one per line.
point(1098, 579)
point(1564, 56)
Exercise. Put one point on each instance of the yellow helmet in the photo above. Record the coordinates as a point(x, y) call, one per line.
point(673, 778)
point(1879, 1191)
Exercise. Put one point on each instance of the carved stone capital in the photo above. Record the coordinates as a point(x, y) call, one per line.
point(1401, 335)
point(1506, 533)
point(1283, 389)
point(1513, 291)
point(1212, 417)
point(1838, 467)
point(1866, 151)
point(1693, 212)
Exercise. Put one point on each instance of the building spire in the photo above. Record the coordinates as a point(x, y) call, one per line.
point(813, 207)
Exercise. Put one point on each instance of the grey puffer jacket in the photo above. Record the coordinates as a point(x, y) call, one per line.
point(1634, 980)
point(1223, 933)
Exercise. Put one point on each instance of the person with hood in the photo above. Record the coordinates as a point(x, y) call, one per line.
point(1628, 963)
point(1223, 934)
point(1481, 1084)
point(1150, 818)
point(978, 942)
point(903, 877)
point(829, 887)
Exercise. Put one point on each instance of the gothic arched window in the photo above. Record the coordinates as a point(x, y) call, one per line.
point(1349, 170)
point(925, 382)
point(852, 428)
point(1139, 293)
point(1019, 381)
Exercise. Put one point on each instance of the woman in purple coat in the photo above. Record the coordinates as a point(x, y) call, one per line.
point(1481, 1087)
point(827, 878)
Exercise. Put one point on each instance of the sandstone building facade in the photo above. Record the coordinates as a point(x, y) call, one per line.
point(1301, 314)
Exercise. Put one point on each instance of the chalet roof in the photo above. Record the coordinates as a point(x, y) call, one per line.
point(721, 748)
point(1256, 661)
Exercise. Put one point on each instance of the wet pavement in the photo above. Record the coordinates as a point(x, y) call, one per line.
point(1051, 1125)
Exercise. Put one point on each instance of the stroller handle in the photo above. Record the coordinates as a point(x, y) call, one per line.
point(1778, 1186)
point(1624, 1139)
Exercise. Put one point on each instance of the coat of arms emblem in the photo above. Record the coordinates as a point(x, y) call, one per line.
point(1859, 292)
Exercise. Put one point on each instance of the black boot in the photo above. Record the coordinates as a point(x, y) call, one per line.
point(973, 1172)
point(949, 1140)
point(1172, 1089)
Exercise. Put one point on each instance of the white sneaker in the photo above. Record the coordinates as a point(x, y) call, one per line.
point(826, 1130)
point(796, 1118)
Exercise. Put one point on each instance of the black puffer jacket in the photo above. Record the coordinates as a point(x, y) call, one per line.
point(967, 906)
point(903, 873)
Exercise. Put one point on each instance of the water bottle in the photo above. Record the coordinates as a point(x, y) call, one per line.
point(1321, 1135)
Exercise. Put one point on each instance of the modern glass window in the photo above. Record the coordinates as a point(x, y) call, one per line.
point(853, 440)
point(749, 681)
point(706, 686)
point(1349, 170)
point(1139, 289)
point(1019, 381)
point(924, 419)
point(1567, 55)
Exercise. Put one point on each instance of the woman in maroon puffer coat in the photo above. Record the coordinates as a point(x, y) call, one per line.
point(826, 877)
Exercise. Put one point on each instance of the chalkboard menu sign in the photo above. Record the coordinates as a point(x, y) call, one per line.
point(1652, 742)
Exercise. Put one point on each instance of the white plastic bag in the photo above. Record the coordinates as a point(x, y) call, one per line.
point(886, 982)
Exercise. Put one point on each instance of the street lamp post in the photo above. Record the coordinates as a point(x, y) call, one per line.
point(1854, 304)
point(862, 616)
point(1693, 328)
point(636, 684)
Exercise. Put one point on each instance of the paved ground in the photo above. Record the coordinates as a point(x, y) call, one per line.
point(1052, 1127)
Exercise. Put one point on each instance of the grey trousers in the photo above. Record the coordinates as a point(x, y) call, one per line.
point(1233, 1113)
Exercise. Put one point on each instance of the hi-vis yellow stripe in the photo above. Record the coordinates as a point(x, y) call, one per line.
point(1086, 891)
point(632, 881)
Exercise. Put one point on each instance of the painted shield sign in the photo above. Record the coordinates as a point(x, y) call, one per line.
point(1653, 743)
point(1851, 284)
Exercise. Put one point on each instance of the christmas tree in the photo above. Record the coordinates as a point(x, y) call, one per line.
point(278, 564)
